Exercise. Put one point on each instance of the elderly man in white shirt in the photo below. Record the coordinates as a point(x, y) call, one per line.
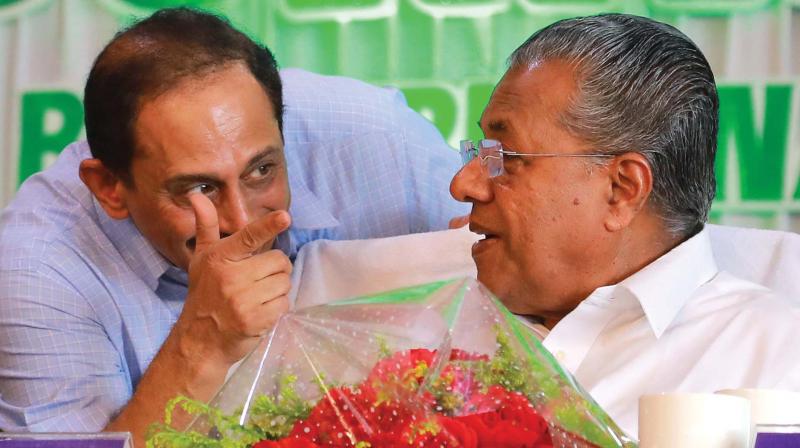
point(592, 191)
point(608, 341)
point(590, 200)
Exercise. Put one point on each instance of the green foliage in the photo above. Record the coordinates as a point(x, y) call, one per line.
point(229, 434)
point(446, 399)
point(383, 348)
point(394, 385)
point(270, 418)
point(275, 417)
point(506, 369)
point(536, 378)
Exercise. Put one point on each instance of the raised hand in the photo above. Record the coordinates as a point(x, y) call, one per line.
point(238, 285)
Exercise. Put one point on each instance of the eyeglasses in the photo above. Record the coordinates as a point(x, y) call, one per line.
point(491, 153)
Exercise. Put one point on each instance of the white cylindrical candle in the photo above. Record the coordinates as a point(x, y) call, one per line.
point(689, 420)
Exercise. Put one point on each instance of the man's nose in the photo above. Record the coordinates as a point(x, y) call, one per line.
point(234, 213)
point(471, 183)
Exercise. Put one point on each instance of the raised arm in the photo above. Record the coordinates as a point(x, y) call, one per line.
point(237, 290)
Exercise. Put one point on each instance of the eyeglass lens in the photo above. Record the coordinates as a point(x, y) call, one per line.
point(489, 152)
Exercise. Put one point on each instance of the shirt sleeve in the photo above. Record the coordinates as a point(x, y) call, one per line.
point(59, 371)
point(431, 165)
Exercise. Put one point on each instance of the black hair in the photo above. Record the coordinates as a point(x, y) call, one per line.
point(154, 55)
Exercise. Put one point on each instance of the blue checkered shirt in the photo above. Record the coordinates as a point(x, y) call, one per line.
point(86, 301)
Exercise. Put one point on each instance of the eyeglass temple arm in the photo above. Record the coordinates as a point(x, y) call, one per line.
point(552, 154)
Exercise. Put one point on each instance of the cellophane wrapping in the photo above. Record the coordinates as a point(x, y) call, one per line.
point(443, 364)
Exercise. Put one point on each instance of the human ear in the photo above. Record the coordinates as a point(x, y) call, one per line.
point(631, 181)
point(106, 186)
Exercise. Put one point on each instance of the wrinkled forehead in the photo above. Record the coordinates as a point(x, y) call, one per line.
point(224, 113)
point(529, 94)
point(213, 93)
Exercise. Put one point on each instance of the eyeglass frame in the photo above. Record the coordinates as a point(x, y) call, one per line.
point(495, 166)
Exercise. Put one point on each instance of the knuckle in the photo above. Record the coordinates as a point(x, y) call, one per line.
point(281, 261)
point(212, 259)
point(228, 291)
point(239, 318)
point(248, 238)
point(242, 307)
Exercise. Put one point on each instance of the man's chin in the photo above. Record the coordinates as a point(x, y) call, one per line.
point(501, 287)
point(492, 282)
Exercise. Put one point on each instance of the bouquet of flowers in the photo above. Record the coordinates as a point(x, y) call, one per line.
point(439, 365)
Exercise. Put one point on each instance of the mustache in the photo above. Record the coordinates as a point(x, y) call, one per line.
point(192, 242)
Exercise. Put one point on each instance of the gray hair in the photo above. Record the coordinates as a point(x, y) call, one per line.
point(643, 87)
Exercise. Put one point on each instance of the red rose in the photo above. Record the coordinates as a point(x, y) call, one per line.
point(403, 363)
point(400, 366)
point(505, 419)
point(334, 416)
point(456, 430)
point(344, 413)
point(287, 442)
point(388, 410)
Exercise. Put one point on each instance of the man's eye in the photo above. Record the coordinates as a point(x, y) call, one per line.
point(261, 171)
point(205, 189)
point(512, 163)
point(512, 159)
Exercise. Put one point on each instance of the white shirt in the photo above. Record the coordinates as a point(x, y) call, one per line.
point(678, 325)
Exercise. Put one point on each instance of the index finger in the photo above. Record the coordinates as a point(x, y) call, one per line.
point(206, 222)
point(254, 236)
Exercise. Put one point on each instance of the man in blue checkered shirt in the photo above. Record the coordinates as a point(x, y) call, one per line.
point(165, 262)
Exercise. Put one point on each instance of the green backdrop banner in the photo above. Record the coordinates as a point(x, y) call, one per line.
point(446, 55)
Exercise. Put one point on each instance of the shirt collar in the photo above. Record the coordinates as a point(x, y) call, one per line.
point(308, 211)
point(664, 286)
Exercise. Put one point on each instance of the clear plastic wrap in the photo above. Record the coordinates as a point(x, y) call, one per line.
point(441, 365)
